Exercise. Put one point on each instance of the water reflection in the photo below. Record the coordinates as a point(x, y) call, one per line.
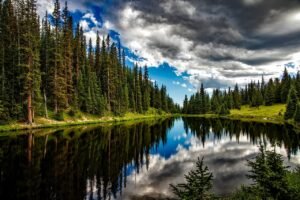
point(134, 161)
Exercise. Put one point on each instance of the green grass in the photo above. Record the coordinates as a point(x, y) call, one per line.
point(273, 114)
point(80, 119)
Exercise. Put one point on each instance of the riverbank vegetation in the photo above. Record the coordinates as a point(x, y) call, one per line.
point(271, 180)
point(256, 100)
point(79, 118)
point(48, 66)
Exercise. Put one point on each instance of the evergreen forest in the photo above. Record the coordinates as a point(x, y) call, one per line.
point(47, 65)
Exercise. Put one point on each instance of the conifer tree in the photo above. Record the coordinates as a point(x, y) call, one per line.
point(30, 64)
point(58, 63)
point(236, 97)
point(146, 90)
point(285, 85)
point(291, 104)
point(270, 93)
point(198, 186)
point(297, 84)
point(59, 84)
point(138, 95)
point(67, 53)
point(297, 113)
point(224, 110)
point(185, 105)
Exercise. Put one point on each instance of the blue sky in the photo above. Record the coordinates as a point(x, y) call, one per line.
point(186, 43)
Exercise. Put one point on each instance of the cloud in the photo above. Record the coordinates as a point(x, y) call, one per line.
point(212, 38)
point(183, 85)
point(84, 25)
point(226, 159)
point(217, 43)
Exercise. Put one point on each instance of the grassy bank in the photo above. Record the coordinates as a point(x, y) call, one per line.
point(80, 119)
point(263, 114)
point(270, 114)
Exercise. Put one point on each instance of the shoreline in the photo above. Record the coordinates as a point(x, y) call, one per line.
point(79, 122)
point(264, 114)
point(271, 114)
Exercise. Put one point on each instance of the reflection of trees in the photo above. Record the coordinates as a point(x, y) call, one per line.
point(283, 136)
point(93, 163)
point(76, 164)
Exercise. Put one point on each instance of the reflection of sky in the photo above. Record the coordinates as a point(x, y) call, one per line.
point(175, 137)
point(225, 157)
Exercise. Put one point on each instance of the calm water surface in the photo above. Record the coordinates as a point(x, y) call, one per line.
point(134, 161)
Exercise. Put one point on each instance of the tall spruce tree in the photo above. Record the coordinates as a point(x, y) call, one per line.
point(285, 86)
point(297, 113)
point(30, 62)
point(270, 93)
point(146, 90)
point(291, 104)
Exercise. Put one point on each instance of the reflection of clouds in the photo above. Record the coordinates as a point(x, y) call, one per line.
point(179, 136)
point(226, 159)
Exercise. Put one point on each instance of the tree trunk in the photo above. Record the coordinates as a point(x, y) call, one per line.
point(55, 88)
point(29, 108)
point(45, 100)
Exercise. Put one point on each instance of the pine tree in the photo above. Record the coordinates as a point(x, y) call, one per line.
point(10, 68)
point(224, 110)
point(146, 90)
point(30, 59)
point(198, 186)
point(67, 54)
point(297, 84)
point(137, 89)
point(163, 96)
point(236, 97)
point(291, 104)
point(285, 85)
point(297, 113)
point(270, 93)
point(269, 175)
point(185, 105)
point(59, 83)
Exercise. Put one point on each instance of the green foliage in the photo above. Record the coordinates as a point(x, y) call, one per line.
point(198, 184)
point(224, 110)
point(254, 94)
point(270, 94)
point(291, 104)
point(63, 65)
point(59, 116)
point(269, 175)
point(257, 98)
point(294, 182)
point(297, 113)
point(285, 86)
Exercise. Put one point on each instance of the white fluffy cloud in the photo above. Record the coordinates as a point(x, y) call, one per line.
point(158, 39)
point(216, 44)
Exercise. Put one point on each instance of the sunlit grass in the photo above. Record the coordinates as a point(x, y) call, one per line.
point(272, 113)
point(81, 119)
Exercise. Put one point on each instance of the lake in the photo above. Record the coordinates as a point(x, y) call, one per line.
point(136, 160)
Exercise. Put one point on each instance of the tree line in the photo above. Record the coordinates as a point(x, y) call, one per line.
point(285, 90)
point(48, 63)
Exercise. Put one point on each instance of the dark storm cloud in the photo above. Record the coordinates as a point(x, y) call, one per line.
point(213, 36)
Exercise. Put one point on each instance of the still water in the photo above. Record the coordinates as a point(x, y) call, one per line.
point(134, 161)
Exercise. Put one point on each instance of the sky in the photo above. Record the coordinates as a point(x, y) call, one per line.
point(186, 43)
